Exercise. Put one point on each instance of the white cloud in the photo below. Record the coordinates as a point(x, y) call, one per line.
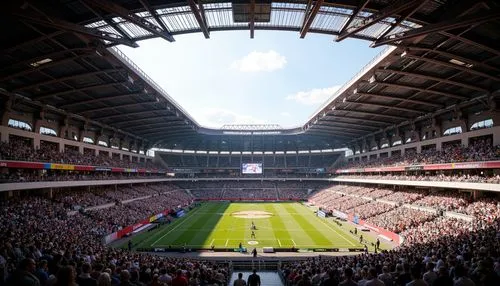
point(260, 61)
point(216, 117)
point(285, 114)
point(313, 96)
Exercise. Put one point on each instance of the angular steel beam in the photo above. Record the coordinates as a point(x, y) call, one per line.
point(403, 18)
point(452, 56)
point(151, 119)
point(71, 27)
point(437, 92)
point(90, 110)
point(350, 127)
point(434, 78)
point(91, 101)
point(381, 122)
point(325, 119)
point(150, 112)
point(355, 12)
point(441, 26)
point(153, 13)
point(392, 10)
point(338, 130)
point(391, 97)
point(44, 66)
point(252, 18)
point(309, 17)
point(454, 66)
point(61, 79)
point(165, 131)
point(132, 17)
point(173, 124)
point(199, 18)
point(61, 93)
point(395, 117)
point(386, 106)
point(323, 133)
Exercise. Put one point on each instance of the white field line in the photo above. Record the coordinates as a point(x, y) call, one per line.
point(294, 244)
point(330, 227)
point(212, 242)
point(177, 226)
point(227, 241)
point(279, 242)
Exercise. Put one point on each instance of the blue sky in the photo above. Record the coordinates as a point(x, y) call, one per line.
point(276, 78)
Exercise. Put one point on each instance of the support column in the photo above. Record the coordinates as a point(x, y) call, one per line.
point(5, 137)
point(465, 140)
point(36, 142)
point(439, 145)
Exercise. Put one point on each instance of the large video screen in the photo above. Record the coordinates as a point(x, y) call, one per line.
point(251, 168)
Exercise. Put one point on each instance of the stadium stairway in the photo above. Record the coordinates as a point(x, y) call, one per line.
point(267, 278)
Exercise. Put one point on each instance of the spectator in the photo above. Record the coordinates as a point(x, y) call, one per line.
point(240, 281)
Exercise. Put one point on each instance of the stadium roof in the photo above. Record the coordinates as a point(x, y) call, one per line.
point(59, 60)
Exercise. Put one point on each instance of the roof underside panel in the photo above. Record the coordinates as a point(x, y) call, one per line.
point(65, 66)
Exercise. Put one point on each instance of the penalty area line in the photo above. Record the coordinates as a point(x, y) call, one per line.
point(174, 228)
point(279, 242)
point(227, 241)
point(330, 227)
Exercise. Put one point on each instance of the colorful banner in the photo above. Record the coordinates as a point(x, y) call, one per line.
point(321, 214)
point(339, 214)
point(66, 167)
point(69, 167)
point(129, 229)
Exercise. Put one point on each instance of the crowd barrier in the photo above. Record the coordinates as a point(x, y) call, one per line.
point(131, 228)
point(381, 231)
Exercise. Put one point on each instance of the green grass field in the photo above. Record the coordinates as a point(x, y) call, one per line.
point(225, 225)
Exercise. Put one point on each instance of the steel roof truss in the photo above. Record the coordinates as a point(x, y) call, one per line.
point(199, 18)
point(391, 10)
point(309, 16)
point(446, 25)
point(133, 18)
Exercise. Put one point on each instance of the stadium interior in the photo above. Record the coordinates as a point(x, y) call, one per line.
point(395, 179)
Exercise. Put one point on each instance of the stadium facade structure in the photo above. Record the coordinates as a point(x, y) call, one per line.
point(63, 73)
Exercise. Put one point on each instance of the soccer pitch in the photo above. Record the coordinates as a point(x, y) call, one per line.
point(226, 225)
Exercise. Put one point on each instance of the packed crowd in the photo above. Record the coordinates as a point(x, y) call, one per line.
point(370, 209)
point(464, 258)
point(121, 215)
point(250, 194)
point(292, 194)
point(42, 244)
point(466, 178)
point(30, 248)
point(405, 196)
point(77, 198)
point(401, 218)
point(30, 175)
point(478, 150)
point(486, 209)
point(445, 200)
point(21, 149)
